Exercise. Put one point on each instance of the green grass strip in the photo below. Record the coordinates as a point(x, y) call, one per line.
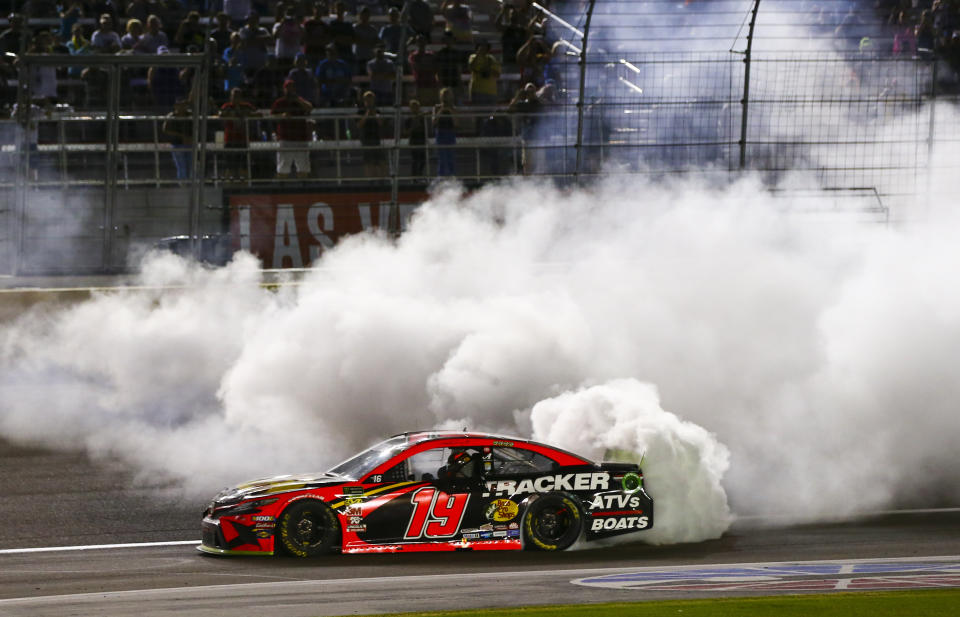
point(923, 603)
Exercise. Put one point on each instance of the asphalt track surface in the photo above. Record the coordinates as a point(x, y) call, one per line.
point(54, 500)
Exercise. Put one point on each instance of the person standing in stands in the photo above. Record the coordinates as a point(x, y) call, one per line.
point(450, 66)
point(105, 39)
point(423, 64)
point(293, 131)
point(334, 77)
point(382, 73)
point(304, 79)
point(512, 34)
point(236, 133)
point(444, 126)
point(419, 16)
point(484, 73)
point(234, 63)
point(366, 37)
point(315, 37)
point(374, 157)
point(458, 20)
point(153, 39)
point(417, 136)
point(14, 39)
point(43, 79)
point(257, 38)
point(238, 11)
point(222, 33)
point(527, 105)
point(190, 34)
point(134, 32)
point(179, 130)
point(341, 33)
point(288, 39)
point(395, 34)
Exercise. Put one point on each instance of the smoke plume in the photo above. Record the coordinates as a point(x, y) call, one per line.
point(756, 358)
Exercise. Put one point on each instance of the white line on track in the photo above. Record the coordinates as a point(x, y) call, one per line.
point(436, 580)
point(93, 547)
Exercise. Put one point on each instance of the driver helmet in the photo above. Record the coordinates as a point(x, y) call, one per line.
point(461, 463)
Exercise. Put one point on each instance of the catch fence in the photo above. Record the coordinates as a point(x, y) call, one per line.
point(115, 168)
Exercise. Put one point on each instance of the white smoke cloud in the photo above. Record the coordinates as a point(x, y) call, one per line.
point(686, 467)
point(756, 358)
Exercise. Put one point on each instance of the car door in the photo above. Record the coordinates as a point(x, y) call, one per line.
point(436, 507)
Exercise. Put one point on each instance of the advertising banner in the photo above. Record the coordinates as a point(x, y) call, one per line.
point(291, 230)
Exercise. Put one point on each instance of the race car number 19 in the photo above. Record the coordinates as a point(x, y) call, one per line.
point(435, 514)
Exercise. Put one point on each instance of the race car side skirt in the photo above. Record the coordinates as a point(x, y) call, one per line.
point(210, 550)
point(435, 547)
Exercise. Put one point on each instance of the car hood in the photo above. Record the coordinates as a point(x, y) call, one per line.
point(278, 484)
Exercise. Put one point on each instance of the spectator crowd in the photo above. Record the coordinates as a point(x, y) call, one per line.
point(285, 59)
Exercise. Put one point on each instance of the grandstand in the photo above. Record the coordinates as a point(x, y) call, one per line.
point(111, 144)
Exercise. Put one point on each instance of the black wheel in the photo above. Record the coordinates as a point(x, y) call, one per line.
point(308, 528)
point(552, 523)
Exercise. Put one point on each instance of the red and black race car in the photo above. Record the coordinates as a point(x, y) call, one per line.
point(433, 492)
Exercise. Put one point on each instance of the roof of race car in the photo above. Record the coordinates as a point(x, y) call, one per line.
point(416, 437)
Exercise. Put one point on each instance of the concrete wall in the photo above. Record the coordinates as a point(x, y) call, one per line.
point(64, 231)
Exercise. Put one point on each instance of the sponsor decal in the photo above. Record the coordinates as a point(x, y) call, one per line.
point(513, 533)
point(506, 444)
point(618, 523)
point(352, 501)
point(513, 526)
point(356, 528)
point(263, 519)
point(356, 520)
point(265, 525)
point(499, 534)
point(471, 536)
point(631, 482)
point(353, 511)
point(293, 229)
point(353, 490)
point(262, 533)
point(587, 481)
point(502, 510)
point(616, 500)
point(486, 527)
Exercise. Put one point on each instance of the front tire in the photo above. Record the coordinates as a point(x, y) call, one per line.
point(552, 523)
point(308, 528)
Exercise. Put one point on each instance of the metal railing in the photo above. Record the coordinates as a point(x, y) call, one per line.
point(859, 122)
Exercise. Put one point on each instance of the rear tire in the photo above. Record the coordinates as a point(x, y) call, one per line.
point(308, 528)
point(552, 523)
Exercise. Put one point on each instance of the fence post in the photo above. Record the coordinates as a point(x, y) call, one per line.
point(111, 146)
point(22, 126)
point(201, 109)
point(746, 87)
point(583, 76)
point(393, 218)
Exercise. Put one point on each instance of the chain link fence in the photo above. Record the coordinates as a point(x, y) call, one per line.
point(134, 155)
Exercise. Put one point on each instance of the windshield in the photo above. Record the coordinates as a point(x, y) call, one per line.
point(361, 464)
